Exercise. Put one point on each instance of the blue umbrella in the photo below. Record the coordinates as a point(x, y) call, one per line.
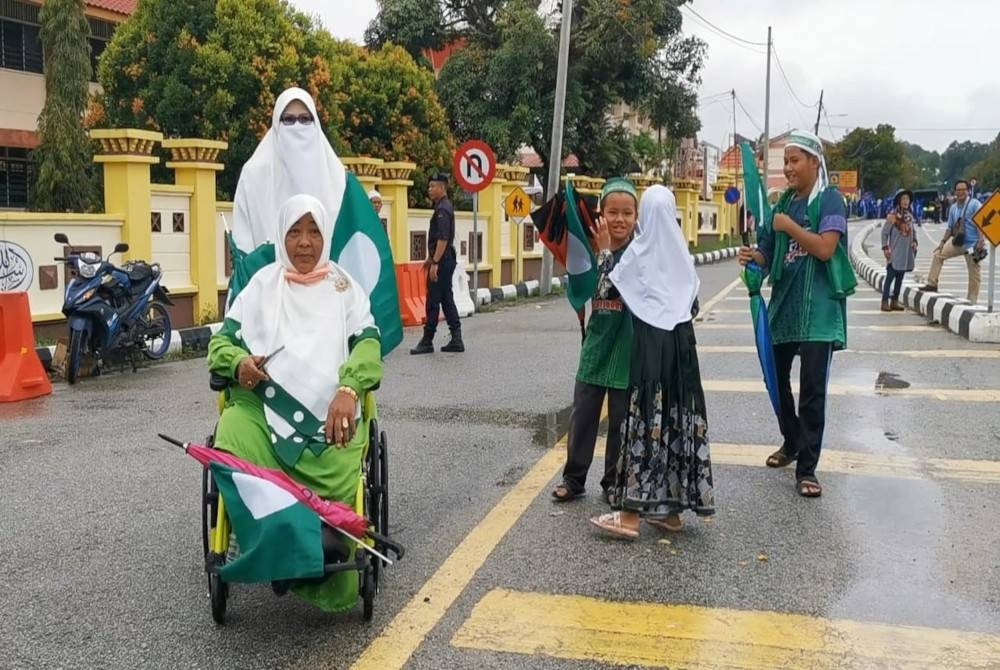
point(753, 278)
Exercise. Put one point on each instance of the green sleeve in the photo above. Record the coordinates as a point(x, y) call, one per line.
point(363, 369)
point(226, 350)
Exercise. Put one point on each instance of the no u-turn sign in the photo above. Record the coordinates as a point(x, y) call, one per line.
point(475, 166)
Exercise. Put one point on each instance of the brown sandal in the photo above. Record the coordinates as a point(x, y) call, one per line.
point(671, 523)
point(808, 487)
point(779, 459)
point(563, 493)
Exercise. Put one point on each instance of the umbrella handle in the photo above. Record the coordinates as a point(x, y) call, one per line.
point(173, 441)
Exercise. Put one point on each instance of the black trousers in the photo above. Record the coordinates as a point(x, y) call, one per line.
point(803, 432)
point(583, 425)
point(893, 278)
point(440, 295)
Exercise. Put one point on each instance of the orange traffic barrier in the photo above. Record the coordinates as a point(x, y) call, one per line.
point(21, 373)
point(411, 279)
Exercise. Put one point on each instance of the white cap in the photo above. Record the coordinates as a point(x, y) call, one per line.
point(374, 195)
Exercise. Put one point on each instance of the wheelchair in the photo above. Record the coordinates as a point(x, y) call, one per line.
point(371, 502)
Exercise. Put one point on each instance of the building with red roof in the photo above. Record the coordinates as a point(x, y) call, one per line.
point(22, 83)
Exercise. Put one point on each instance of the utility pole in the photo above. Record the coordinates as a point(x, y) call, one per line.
point(555, 152)
point(818, 112)
point(767, 113)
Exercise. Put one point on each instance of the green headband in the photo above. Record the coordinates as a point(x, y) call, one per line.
point(619, 185)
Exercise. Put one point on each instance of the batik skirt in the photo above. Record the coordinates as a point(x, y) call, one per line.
point(664, 467)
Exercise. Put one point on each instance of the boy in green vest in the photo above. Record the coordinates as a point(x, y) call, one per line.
point(805, 250)
point(604, 359)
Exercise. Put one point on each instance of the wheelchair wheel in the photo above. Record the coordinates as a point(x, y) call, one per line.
point(383, 464)
point(368, 592)
point(209, 503)
point(218, 591)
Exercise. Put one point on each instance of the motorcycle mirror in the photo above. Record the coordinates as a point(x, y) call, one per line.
point(121, 248)
point(61, 238)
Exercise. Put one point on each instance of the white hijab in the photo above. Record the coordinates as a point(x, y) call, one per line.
point(812, 144)
point(656, 275)
point(314, 322)
point(289, 160)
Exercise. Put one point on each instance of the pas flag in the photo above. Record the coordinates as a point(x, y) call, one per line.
point(360, 245)
point(279, 537)
point(564, 226)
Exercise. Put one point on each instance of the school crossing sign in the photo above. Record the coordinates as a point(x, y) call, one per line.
point(474, 166)
point(517, 205)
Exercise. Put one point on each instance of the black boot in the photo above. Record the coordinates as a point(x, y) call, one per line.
point(425, 345)
point(456, 346)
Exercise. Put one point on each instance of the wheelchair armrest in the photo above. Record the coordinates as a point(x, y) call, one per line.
point(219, 383)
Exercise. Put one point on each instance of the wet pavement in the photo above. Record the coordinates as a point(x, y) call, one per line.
point(894, 567)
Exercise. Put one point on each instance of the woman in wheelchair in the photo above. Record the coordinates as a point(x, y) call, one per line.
point(299, 409)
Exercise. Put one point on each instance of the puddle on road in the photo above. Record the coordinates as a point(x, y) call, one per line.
point(552, 426)
point(891, 381)
point(546, 428)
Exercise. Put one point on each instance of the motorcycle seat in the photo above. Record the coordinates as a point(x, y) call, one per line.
point(139, 271)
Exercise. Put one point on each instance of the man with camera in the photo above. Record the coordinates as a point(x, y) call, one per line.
point(961, 239)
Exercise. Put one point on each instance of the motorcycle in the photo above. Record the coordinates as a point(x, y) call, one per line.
point(113, 311)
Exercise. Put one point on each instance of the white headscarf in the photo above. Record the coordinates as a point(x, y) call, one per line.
point(289, 160)
point(811, 144)
point(656, 275)
point(314, 322)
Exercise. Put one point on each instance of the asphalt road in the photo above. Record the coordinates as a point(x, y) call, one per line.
point(100, 556)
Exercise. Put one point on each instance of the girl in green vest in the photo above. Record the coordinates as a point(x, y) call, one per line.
point(805, 251)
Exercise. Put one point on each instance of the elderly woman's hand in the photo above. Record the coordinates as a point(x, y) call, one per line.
point(249, 372)
point(340, 424)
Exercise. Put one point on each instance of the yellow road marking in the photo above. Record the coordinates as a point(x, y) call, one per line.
point(720, 296)
point(703, 638)
point(908, 353)
point(872, 465)
point(881, 329)
point(965, 395)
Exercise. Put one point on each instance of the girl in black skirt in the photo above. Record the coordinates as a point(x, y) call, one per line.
point(664, 467)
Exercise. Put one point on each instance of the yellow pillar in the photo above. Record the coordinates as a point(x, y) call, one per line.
point(726, 218)
point(194, 164)
point(686, 193)
point(515, 176)
point(395, 186)
point(367, 170)
point(126, 155)
point(491, 210)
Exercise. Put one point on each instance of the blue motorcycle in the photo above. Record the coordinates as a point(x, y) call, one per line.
point(113, 312)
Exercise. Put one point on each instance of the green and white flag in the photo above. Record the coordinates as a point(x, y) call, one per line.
point(756, 194)
point(361, 246)
point(279, 537)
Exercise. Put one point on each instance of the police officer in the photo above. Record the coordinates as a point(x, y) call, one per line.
point(440, 267)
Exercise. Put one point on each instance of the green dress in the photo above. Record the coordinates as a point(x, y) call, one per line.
point(334, 473)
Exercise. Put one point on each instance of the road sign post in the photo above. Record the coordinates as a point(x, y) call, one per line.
point(475, 167)
point(987, 219)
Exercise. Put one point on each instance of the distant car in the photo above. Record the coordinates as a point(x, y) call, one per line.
point(931, 200)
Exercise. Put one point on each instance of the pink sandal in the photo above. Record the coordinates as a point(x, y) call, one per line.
point(611, 523)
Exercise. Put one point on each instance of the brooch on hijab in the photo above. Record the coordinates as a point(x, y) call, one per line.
point(340, 282)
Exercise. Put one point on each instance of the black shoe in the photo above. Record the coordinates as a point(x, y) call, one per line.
point(424, 346)
point(456, 346)
point(927, 288)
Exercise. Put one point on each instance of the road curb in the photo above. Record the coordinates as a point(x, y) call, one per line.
point(710, 257)
point(959, 316)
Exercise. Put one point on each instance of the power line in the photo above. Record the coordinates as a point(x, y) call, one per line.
point(788, 84)
point(722, 34)
point(749, 117)
point(827, 117)
point(720, 30)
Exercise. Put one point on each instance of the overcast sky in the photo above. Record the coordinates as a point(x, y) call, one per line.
point(923, 66)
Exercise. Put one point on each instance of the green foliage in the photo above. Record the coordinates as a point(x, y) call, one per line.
point(958, 159)
point(876, 154)
point(213, 69)
point(987, 171)
point(64, 174)
point(921, 166)
point(501, 85)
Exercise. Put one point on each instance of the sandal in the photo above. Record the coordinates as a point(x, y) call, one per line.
point(671, 523)
point(611, 523)
point(563, 493)
point(780, 459)
point(808, 487)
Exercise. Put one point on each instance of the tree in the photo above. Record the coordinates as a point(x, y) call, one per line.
point(876, 154)
point(959, 157)
point(987, 171)
point(500, 85)
point(214, 68)
point(922, 167)
point(65, 174)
